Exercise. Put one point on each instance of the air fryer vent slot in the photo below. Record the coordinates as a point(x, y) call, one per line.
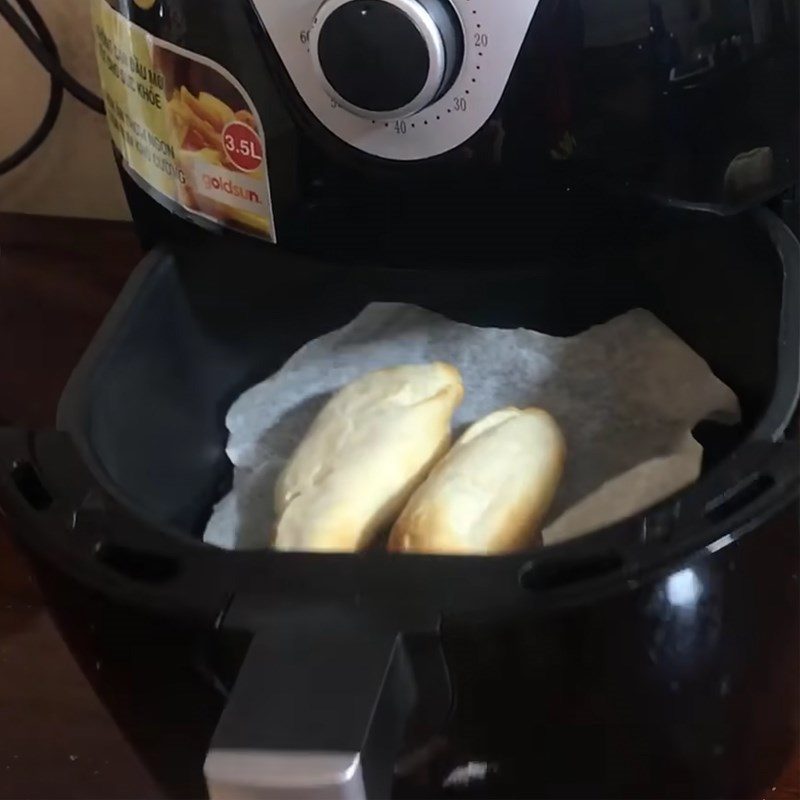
point(138, 565)
point(30, 486)
point(558, 574)
point(739, 497)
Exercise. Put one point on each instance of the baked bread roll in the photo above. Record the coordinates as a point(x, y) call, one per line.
point(366, 452)
point(490, 493)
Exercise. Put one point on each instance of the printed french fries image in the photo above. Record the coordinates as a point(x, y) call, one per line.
point(246, 117)
point(208, 108)
point(197, 124)
point(248, 220)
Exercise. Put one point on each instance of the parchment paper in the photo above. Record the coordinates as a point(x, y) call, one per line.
point(626, 394)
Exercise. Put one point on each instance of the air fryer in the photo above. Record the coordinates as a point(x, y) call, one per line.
point(544, 165)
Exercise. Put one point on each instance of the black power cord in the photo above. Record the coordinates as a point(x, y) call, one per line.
point(54, 101)
point(35, 35)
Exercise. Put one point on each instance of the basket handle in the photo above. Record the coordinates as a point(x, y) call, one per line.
point(318, 710)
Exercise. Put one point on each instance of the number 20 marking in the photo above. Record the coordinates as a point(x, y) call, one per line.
point(481, 39)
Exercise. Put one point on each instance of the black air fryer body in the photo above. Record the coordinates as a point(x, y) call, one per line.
point(635, 154)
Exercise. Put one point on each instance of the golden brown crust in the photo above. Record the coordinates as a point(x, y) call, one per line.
point(364, 455)
point(491, 492)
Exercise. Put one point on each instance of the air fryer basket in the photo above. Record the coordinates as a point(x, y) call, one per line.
point(117, 500)
point(143, 414)
point(197, 326)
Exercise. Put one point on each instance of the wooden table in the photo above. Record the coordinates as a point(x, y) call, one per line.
point(57, 280)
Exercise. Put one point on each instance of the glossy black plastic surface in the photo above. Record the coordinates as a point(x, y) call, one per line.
point(683, 687)
point(644, 98)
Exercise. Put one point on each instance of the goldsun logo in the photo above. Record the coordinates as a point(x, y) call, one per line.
point(230, 187)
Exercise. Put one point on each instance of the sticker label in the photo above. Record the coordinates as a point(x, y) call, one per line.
point(186, 130)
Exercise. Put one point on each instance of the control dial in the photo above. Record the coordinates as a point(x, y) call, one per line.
point(386, 59)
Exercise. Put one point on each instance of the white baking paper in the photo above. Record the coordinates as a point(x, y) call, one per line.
point(626, 393)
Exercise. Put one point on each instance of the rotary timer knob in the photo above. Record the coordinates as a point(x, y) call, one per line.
point(386, 59)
